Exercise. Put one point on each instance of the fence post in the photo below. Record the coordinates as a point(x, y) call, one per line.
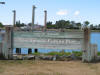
point(8, 43)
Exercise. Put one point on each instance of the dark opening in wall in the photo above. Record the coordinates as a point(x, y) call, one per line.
point(29, 51)
point(36, 50)
point(18, 50)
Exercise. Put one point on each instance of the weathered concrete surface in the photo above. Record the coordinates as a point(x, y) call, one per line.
point(7, 47)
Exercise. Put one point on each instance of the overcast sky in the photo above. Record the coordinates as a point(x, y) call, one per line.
point(76, 10)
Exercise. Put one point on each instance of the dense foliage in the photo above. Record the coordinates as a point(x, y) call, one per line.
point(61, 53)
point(1, 25)
point(18, 24)
point(62, 24)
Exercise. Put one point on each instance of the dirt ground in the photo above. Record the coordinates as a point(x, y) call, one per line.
point(30, 67)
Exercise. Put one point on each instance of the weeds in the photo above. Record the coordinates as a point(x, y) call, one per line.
point(77, 53)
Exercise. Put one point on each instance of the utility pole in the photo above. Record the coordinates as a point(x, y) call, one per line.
point(45, 20)
point(33, 17)
point(14, 18)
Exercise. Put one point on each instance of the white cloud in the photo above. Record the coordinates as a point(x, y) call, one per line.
point(77, 13)
point(62, 12)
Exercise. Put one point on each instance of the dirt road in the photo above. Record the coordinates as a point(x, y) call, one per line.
point(19, 67)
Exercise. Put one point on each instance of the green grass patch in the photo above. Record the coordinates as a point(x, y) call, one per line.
point(98, 54)
point(37, 53)
point(1, 69)
point(58, 53)
point(61, 53)
point(77, 53)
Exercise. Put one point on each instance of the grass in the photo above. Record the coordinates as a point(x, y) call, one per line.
point(37, 53)
point(77, 53)
point(58, 53)
point(1, 69)
point(98, 53)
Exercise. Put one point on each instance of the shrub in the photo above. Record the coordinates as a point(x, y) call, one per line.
point(77, 53)
point(58, 53)
point(98, 53)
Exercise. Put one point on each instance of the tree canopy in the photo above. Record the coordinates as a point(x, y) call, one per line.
point(86, 23)
point(18, 24)
point(62, 24)
point(1, 25)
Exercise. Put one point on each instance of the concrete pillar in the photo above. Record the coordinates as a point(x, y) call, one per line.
point(45, 20)
point(29, 51)
point(33, 17)
point(14, 18)
point(7, 47)
point(35, 50)
point(86, 48)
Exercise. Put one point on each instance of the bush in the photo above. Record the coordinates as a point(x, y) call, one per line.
point(1, 25)
point(37, 53)
point(61, 53)
point(77, 53)
point(98, 53)
point(58, 53)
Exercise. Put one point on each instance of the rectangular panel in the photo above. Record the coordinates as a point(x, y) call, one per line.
point(48, 40)
point(50, 34)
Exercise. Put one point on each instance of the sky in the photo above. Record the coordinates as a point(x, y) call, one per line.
point(74, 10)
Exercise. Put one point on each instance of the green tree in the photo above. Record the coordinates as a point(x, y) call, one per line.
point(91, 27)
point(1, 25)
point(78, 25)
point(60, 24)
point(72, 25)
point(29, 24)
point(86, 23)
point(18, 24)
point(99, 26)
point(49, 25)
point(67, 24)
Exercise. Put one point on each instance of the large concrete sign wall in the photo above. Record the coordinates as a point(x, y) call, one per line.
point(49, 40)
